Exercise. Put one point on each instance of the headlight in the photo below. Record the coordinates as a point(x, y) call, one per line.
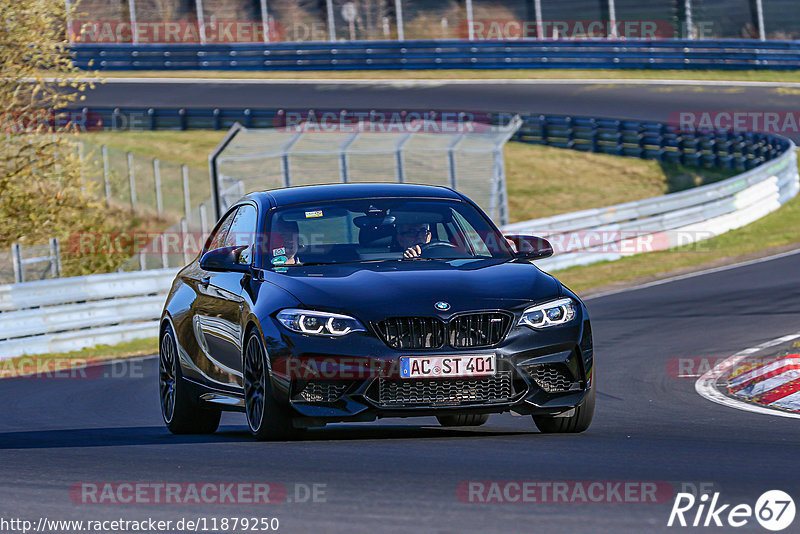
point(316, 323)
point(553, 313)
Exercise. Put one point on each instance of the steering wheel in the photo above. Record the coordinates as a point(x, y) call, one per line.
point(432, 245)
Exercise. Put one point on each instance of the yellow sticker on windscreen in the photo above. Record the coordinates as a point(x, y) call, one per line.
point(310, 214)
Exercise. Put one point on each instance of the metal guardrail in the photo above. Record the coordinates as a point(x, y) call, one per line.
point(444, 54)
point(69, 314)
point(668, 221)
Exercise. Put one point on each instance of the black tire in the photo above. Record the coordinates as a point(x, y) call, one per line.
point(265, 417)
point(578, 422)
point(463, 419)
point(181, 413)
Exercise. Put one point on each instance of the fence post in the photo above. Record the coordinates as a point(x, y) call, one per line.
point(16, 258)
point(132, 180)
point(203, 220)
point(687, 12)
point(132, 12)
point(55, 258)
point(106, 179)
point(537, 6)
point(760, 17)
point(265, 20)
point(398, 11)
point(201, 21)
point(157, 180)
point(187, 202)
point(184, 231)
point(470, 22)
point(612, 19)
point(331, 27)
point(451, 159)
point(164, 256)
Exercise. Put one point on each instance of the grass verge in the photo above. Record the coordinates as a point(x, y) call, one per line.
point(52, 365)
point(476, 74)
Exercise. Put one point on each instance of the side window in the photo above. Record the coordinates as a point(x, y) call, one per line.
point(473, 238)
point(217, 240)
point(242, 231)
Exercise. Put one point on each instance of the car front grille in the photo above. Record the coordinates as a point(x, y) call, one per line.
point(473, 330)
point(445, 391)
point(478, 329)
point(412, 332)
point(321, 390)
point(552, 378)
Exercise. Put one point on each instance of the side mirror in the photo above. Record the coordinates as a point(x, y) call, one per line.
point(225, 259)
point(531, 247)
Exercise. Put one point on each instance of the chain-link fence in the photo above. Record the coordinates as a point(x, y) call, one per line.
point(256, 21)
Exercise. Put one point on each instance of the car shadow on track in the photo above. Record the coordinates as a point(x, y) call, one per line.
point(158, 435)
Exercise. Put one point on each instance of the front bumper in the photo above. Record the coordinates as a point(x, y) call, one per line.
point(356, 378)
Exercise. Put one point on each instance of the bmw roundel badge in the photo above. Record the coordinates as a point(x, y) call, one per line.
point(441, 305)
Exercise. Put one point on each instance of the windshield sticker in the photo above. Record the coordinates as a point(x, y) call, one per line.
point(310, 214)
point(279, 260)
point(281, 269)
point(279, 251)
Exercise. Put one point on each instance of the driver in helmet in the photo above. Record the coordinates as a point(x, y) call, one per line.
point(411, 238)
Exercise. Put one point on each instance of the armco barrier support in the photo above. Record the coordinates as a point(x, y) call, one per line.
point(444, 54)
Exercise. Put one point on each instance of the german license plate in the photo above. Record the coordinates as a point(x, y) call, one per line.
point(447, 366)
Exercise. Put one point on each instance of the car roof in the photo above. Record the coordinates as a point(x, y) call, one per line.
point(320, 193)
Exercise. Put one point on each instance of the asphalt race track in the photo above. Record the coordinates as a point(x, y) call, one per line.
point(402, 475)
point(603, 99)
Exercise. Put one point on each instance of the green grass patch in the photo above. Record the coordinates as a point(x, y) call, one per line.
point(52, 363)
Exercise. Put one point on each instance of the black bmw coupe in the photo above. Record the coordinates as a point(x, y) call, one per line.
point(341, 303)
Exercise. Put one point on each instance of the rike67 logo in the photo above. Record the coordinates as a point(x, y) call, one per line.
point(774, 510)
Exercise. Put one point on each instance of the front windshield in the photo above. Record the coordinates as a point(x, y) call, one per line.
point(379, 230)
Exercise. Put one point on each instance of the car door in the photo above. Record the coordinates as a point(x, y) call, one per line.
point(219, 302)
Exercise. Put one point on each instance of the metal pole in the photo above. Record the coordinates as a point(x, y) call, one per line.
point(760, 14)
point(157, 180)
point(331, 27)
point(451, 159)
point(687, 9)
point(470, 27)
point(201, 21)
point(69, 20)
point(187, 201)
point(184, 231)
point(132, 180)
point(612, 19)
point(265, 20)
point(55, 258)
point(203, 220)
point(400, 169)
point(164, 256)
point(212, 168)
point(537, 6)
point(16, 258)
point(132, 12)
point(398, 11)
point(107, 181)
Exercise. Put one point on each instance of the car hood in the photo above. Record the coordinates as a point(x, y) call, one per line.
point(403, 288)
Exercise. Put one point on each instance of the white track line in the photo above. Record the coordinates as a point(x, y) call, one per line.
point(706, 385)
point(408, 82)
